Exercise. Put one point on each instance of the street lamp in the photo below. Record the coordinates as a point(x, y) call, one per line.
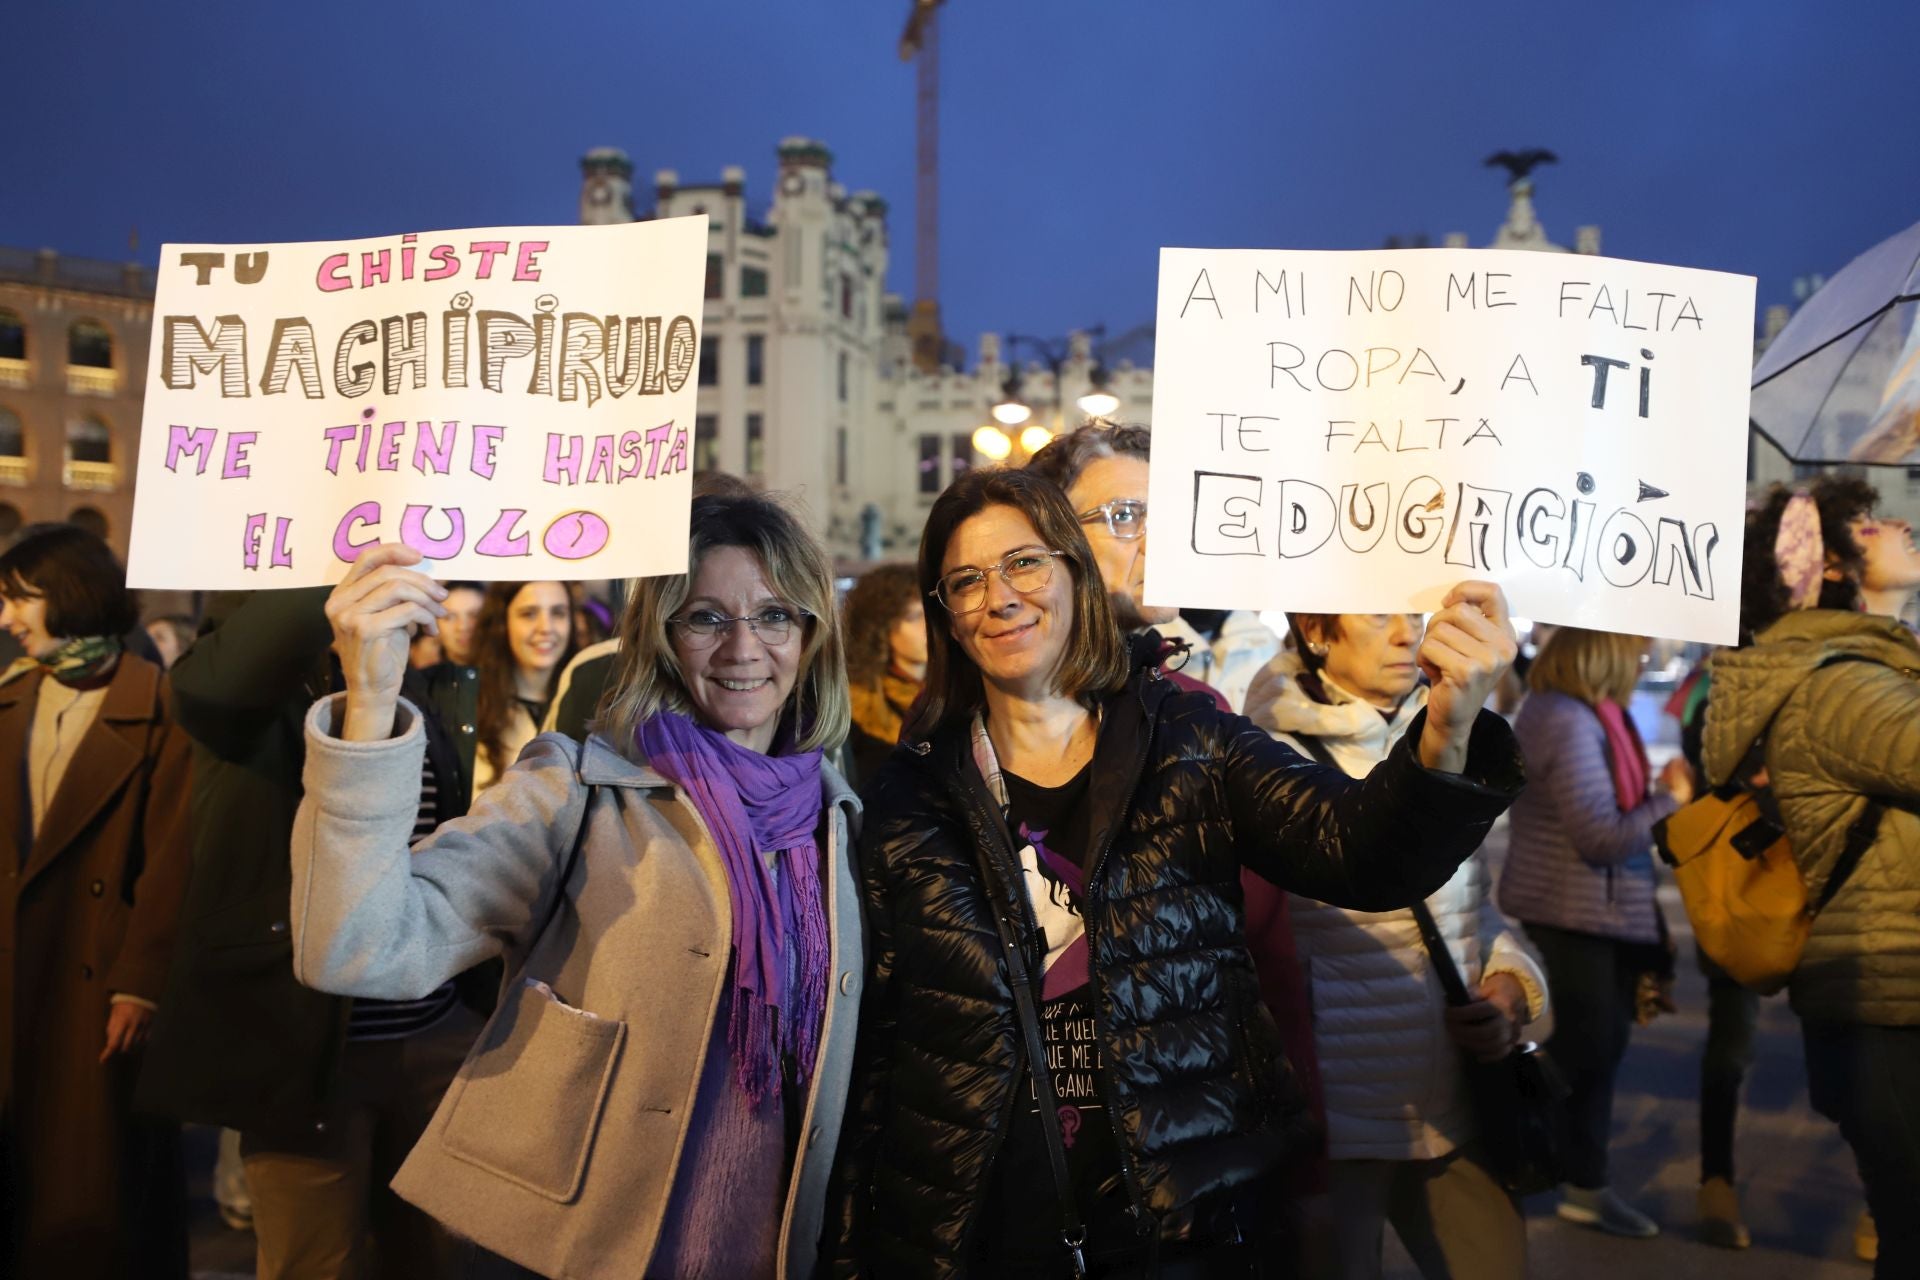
point(1011, 410)
point(1098, 402)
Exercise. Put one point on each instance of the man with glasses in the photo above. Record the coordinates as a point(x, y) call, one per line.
point(1102, 468)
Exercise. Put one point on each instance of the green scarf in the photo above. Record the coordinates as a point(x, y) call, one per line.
point(82, 662)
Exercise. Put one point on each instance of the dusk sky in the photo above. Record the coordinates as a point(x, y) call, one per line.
point(1775, 139)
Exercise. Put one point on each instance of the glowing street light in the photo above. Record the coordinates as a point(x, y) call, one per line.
point(992, 442)
point(1011, 411)
point(1035, 438)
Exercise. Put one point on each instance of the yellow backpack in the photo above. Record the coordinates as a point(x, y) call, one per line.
point(1738, 878)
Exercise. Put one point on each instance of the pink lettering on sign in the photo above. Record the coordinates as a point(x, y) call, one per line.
point(485, 440)
point(528, 265)
point(501, 540)
point(238, 442)
point(191, 442)
point(344, 547)
point(282, 557)
point(575, 536)
point(413, 532)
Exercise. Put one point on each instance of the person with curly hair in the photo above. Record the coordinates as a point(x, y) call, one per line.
point(525, 639)
point(1824, 696)
point(886, 624)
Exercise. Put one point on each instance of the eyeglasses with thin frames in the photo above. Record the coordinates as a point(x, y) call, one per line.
point(1025, 569)
point(1126, 518)
point(773, 624)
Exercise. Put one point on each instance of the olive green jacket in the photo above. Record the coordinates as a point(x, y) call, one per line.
point(1842, 732)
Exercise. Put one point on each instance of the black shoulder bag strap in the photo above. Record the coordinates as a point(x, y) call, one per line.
point(1311, 744)
point(1073, 1234)
point(1443, 966)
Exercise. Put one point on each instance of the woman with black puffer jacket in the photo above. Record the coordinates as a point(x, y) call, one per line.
point(1054, 863)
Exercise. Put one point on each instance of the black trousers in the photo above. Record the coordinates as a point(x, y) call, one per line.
point(1592, 980)
point(1733, 1015)
point(1866, 1079)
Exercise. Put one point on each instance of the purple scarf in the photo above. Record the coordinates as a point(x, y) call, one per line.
point(753, 803)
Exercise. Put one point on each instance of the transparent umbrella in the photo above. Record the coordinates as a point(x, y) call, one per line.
point(1842, 381)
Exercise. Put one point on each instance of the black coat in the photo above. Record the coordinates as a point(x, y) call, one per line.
point(238, 1042)
point(1200, 1093)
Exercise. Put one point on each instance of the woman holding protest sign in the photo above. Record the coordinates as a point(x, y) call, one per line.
point(661, 1089)
point(1825, 698)
point(525, 638)
point(1400, 1122)
point(93, 786)
point(1580, 876)
point(1052, 873)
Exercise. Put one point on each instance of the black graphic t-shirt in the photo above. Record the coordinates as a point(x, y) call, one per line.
point(1050, 829)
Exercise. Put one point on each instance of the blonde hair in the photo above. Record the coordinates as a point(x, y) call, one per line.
point(1589, 665)
point(647, 678)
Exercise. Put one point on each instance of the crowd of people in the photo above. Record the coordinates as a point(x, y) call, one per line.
point(981, 919)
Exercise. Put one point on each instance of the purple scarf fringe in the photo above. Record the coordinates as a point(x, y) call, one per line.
point(753, 803)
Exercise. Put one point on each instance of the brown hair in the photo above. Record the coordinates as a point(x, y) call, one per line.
point(77, 574)
point(1764, 599)
point(493, 656)
point(876, 602)
point(1326, 627)
point(1065, 457)
point(646, 675)
point(1588, 665)
point(1095, 662)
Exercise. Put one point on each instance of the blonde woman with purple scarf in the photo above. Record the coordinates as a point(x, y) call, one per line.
point(660, 1091)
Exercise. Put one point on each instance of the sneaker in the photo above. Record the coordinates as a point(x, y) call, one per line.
point(1866, 1238)
point(1720, 1222)
point(1603, 1209)
point(237, 1217)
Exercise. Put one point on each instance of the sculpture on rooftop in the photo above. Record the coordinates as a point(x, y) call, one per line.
point(1519, 164)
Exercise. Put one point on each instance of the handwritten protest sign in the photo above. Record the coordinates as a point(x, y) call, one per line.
point(516, 402)
point(1355, 432)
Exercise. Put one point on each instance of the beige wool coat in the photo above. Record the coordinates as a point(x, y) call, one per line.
point(557, 1144)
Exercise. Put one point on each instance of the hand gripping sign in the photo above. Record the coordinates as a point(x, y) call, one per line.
point(1355, 432)
point(515, 402)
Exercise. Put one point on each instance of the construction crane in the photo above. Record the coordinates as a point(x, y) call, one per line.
point(921, 40)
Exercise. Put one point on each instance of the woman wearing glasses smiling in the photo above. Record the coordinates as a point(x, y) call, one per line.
point(1052, 868)
point(660, 1092)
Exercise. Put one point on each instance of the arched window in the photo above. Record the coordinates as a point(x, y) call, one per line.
point(90, 519)
point(13, 436)
point(90, 345)
point(89, 440)
point(13, 336)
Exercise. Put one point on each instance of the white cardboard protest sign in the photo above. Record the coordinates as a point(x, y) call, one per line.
point(1355, 432)
point(516, 402)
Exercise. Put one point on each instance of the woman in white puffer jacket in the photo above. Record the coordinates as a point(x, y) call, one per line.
point(1399, 1125)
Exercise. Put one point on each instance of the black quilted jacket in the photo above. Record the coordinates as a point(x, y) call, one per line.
point(1199, 1091)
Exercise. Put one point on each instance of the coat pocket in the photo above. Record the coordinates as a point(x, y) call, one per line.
point(528, 1101)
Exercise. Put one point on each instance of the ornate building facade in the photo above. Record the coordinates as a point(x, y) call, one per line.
point(73, 365)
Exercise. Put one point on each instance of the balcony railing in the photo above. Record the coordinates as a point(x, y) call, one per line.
point(91, 475)
point(83, 380)
point(15, 471)
point(16, 373)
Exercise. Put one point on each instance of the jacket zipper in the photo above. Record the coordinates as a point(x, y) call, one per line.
point(1129, 1174)
point(983, 825)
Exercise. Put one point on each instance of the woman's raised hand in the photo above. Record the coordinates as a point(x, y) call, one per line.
point(1468, 647)
point(371, 611)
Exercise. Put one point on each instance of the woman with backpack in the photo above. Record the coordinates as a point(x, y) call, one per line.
point(1400, 1126)
point(1826, 698)
point(1580, 877)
